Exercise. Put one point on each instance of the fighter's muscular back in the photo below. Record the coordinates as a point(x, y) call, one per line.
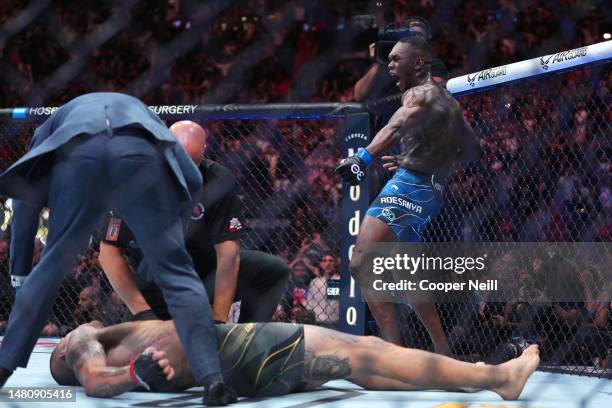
point(433, 132)
point(435, 136)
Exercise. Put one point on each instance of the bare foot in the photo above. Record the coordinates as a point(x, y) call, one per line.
point(517, 371)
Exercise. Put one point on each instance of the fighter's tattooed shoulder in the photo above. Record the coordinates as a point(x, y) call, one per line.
point(83, 346)
point(418, 96)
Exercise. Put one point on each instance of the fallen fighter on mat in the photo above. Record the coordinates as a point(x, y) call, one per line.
point(267, 359)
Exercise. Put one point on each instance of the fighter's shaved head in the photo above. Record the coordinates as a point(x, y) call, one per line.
point(192, 137)
point(60, 370)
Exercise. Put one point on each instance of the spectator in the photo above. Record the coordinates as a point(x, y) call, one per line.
point(325, 310)
point(301, 274)
point(50, 330)
point(89, 307)
point(299, 314)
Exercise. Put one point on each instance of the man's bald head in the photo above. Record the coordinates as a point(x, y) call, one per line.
point(192, 137)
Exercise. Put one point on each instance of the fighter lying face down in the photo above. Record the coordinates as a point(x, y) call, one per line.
point(267, 359)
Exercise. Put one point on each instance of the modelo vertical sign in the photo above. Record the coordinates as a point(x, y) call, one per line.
point(355, 201)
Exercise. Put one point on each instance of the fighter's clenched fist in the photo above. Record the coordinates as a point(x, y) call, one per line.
point(352, 170)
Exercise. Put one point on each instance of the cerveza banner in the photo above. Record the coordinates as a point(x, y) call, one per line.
point(532, 67)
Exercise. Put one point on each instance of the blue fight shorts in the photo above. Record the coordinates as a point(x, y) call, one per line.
point(407, 204)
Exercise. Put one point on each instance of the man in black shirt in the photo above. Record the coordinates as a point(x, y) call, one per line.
point(213, 236)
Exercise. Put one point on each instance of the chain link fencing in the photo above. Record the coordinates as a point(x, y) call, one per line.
point(291, 202)
point(291, 198)
point(545, 176)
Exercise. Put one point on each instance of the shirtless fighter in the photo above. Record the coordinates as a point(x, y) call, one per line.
point(267, 359)
point(434, 136)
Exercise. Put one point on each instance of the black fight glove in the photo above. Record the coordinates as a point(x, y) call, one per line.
point(352, 170)
point(147, 373)
point(218, 393)
point(144, 315)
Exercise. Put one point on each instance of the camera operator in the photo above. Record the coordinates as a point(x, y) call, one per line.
point(377, 83)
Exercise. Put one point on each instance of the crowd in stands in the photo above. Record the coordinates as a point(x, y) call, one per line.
point(545, 174)
point(175, 52)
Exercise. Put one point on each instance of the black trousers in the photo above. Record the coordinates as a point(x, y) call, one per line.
point(261, 283)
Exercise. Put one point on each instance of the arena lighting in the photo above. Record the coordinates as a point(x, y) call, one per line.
point(607, 36)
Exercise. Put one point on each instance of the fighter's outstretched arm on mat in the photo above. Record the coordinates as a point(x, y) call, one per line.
point(121, 278)
point(86, 357)
point(406, 120)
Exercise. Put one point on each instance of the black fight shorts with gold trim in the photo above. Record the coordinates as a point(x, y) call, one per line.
point(262, 359)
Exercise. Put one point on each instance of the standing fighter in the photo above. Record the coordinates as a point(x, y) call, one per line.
point(433, 135)
point(104, 151)
point(229, 273)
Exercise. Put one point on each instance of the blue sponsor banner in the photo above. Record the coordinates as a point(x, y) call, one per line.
point(355, 201)
point(20, 113)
